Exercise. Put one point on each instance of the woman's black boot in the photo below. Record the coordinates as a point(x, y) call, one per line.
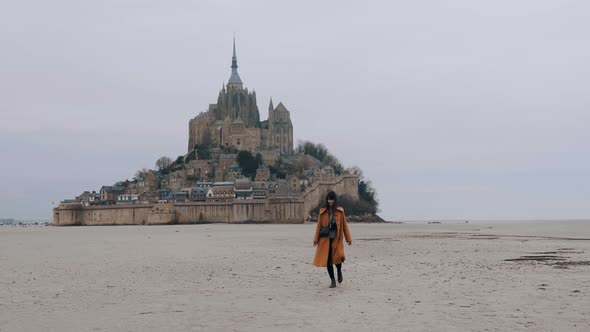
point(333, 284)
point(339, 267)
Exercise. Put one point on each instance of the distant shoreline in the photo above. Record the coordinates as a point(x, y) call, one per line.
point(28, 222)
point(486, 221)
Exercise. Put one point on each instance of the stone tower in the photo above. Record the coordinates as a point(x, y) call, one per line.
point(234, 121)
point(280, 128)
point(234, 101)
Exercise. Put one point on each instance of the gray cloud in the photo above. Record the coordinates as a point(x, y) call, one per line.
point(454, 109)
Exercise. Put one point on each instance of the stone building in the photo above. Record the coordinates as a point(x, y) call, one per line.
point(263, 173)
point(226, 160)
point(207, 185)
point(234, 121)
point(221, 193)
point(199, 169)
point(110, 193)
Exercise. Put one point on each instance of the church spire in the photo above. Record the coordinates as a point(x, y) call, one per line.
point(270, 106)
point(234, 79)
point(234, 58)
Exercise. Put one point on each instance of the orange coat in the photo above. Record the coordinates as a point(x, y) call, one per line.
point(321, 253)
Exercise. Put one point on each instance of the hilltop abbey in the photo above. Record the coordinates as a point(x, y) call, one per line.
point(209, 185)
point(234, 121)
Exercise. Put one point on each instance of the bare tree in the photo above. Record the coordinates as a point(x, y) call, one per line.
point(355, 170)
point(141, 174)
point(163, 163)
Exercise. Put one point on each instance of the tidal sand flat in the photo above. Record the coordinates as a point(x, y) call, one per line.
point(220, 277)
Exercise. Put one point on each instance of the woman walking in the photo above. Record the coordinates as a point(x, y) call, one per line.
point(329, 238)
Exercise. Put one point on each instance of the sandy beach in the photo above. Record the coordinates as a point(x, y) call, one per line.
point(217, 277)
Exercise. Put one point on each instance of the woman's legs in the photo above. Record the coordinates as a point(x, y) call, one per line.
point(330, 267)
point(339, 267)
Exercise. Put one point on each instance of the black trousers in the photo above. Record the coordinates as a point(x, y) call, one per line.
point(330, 267)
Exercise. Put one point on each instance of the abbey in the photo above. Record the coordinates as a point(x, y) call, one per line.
point(234, 121)
point(208, 184)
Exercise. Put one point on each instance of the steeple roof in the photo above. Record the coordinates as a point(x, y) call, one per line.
point(234, 78)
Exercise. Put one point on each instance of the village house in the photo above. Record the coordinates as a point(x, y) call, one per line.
point(234, 171)
point(221, 193)
point(263, 173)
point(199, 169)
point(127, 199)
point(198, 194)
point(108, 194)
point(84, 198)
point(259, 190)
point(226, 160)
point(243, 189)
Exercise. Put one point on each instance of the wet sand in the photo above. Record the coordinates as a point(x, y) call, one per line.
point(402, 277)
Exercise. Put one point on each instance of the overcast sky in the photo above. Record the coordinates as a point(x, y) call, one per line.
point(453, 109)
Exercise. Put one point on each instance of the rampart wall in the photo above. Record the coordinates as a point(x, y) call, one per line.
point(346, 184)
point(273, 210)
point(287, 209)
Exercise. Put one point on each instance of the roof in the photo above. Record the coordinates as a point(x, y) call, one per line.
point(218, 189)
point(243, 184)
point(328, 169)
point(263, 167)
point(313, 159)
point(198, 190)
point(234, 78)
point(281, 108)
point(113, 188)
point(284, 189)
point(258, 185)
point(222, 188)
point(226, 183)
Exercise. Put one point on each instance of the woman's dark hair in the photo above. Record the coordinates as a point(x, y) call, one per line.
point(331, 195)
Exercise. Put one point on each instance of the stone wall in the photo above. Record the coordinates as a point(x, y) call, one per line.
point(274, 210)
point(198, 128)
point(346, 184)
point(76, 214)
point(286, 209)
